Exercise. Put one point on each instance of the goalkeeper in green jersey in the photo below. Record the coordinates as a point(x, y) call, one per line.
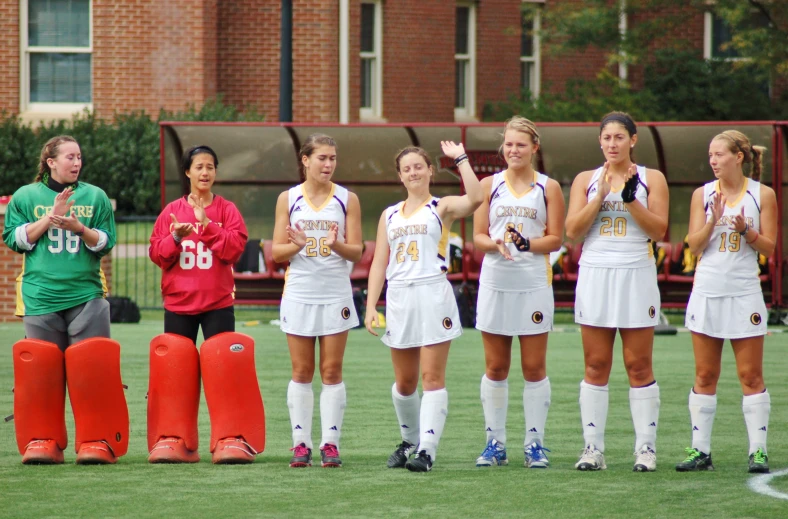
point(63, 227)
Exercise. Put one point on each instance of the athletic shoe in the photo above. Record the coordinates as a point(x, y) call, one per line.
point(645, 460)
point(95, 453)
point(172, 449)
point(591, 459)
point(421, 462)
point(696, 460)
point(302, 456)
point(493, 454)
point(43, 452)
point(759, 462)
point(535, 457)
point(233, 451)
point(399, 457)
point(329, 455)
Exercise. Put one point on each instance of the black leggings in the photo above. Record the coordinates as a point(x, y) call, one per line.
point(213, 323)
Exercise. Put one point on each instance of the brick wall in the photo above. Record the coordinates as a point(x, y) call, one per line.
point(248, 39)
point(9, 57)
point(151, 55)
point(498, 51)
point(418, 61)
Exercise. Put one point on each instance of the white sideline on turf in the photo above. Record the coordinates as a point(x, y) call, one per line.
point(760, 484)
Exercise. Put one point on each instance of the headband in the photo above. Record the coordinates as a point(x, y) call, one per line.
point(628, 123)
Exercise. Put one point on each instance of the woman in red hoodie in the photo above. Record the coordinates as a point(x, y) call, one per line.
point(196, 241)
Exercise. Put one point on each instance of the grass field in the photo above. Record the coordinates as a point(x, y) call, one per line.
point(455, 487)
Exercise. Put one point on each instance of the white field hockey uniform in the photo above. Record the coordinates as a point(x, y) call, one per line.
point(726, 300)
point(317, 298)
point(617, 281)
point(420, 305)
point(516, 297)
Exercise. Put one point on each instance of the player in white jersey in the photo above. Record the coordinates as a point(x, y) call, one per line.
point(317, 229)
point(618, 208)
point(421, 312)
point(732, 220)
point(517, 226)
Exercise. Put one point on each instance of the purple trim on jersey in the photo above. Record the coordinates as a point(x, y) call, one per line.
point(495, 191)
point(435, 203)
point(341, 204)
point(753, 200)
point(644, 186)
point(294, 205)
point(590, 186)
point(706, 206)
point(392, 215)
point(544, 193)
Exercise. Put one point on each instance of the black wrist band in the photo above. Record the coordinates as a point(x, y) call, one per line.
point(459, 159)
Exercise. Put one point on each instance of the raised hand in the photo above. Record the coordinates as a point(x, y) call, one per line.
point(521, 243)
point(452, 149)
point(603, 185)
point(331, 238)
point(739, 223)
point(181, 229)
point(296, 235)
point(195, 202)
point(68, 223)
point(717, 206)
point(62, 204)
point(631, 184)
point(503, 250)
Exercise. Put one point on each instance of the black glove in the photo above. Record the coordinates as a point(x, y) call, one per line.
point(521, 243)
point(630, 189)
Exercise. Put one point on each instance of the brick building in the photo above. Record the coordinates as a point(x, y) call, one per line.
point(353, 60)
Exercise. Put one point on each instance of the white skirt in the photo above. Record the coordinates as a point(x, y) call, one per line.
point(617, 297)
point(515, 313)
point(421, 315)
point(734, 317)
point(310, 320)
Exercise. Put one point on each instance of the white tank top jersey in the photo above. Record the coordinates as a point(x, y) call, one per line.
point(728, 266)
point(318, 275)
point(615, 239)
point(528, 212)
point(417, 244)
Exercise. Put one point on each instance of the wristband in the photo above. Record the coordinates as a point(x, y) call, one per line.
point(81, 231)
point(459, 159)
point(746, 229)
point(176, 237)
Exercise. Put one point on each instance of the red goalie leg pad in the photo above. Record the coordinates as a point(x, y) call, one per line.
point(96, 393)
point(39, 393)
point(231, 389)
point(173, 390)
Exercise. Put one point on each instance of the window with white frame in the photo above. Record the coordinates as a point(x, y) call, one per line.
point(530, 51)
point(371, 69)
point(465, 62)
point(717, 36)
point(56, 41)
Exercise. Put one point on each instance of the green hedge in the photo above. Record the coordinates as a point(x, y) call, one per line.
point(120, 155)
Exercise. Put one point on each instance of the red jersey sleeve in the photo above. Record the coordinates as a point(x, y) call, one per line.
point(163, 249)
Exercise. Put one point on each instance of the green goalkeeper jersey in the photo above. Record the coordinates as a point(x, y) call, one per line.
point(59, 271)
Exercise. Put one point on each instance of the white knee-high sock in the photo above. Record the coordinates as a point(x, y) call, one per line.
point(434, 409)
point(301, 402)
point(333, 400)
point(702, 409)
point(593, 411)
point(756, 410)
point(495, 401)
point(536, 403)
point(644, 405)
point(407, 409)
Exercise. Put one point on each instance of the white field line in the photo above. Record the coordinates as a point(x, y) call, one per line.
point(760, 484)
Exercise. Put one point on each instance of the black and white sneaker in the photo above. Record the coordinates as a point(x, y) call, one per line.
point(421, 462)
point(696, 461)
point(399, 457)
point(759, 462)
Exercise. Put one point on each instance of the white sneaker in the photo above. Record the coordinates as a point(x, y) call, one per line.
point(645, 460)
point(591, 459)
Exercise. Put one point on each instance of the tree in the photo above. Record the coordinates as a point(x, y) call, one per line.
point(759, 28)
